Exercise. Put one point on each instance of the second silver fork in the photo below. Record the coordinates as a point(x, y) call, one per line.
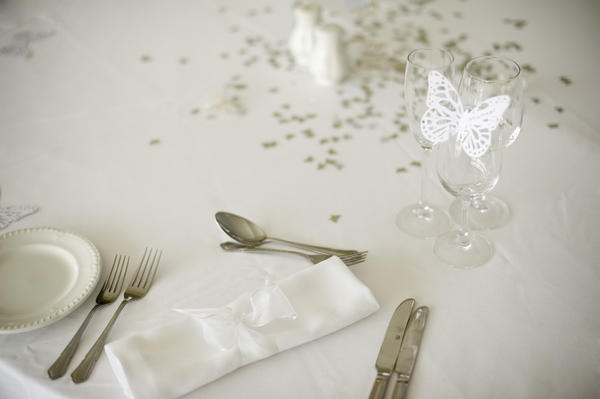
point(138, 288)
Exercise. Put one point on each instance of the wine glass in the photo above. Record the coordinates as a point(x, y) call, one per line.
point(423, 219)
point(489, 76)
point(465, 177)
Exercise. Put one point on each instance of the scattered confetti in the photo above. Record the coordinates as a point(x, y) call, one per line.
point(517, 23)
point(380, 37)
point(528, 68)
point(335, 218)
point(269, 144)
point(565, 80)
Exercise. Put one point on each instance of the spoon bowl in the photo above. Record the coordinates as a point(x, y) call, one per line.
point(241, 229)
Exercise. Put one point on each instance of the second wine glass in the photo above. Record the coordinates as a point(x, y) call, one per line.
point(423, 219)
point(483, 77)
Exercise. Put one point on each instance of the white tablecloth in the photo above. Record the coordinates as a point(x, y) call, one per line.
point(113, 122)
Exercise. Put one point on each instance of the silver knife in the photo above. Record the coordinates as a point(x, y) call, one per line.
point(409, 351)
point(391, 347)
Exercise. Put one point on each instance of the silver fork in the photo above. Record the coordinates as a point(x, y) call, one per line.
point(349, 260)
point(108, 293)
point(138, 288)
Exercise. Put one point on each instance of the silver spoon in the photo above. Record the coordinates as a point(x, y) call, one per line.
point(249, 233)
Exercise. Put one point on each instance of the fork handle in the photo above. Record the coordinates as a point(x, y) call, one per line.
point(59, 367)
point(315, 248)
point(83, 371)
point(232, 246)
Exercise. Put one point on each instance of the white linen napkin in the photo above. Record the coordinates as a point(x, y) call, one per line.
point(177, 358)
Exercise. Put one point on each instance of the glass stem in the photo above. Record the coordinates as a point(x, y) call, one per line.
point(479, 203)
point(464, 239)
point(424, 169)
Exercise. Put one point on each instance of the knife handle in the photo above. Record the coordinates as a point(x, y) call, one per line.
point(378, 390)
point(400, 388)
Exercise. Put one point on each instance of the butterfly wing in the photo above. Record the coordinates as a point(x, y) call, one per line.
point(444, 109)
point(480, 122)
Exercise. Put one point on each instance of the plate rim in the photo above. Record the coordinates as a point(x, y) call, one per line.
point(50, 317)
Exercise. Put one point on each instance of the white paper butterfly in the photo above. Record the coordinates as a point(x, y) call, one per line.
point(446, 115)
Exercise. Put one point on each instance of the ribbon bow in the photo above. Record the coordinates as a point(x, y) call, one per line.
point(235, 325)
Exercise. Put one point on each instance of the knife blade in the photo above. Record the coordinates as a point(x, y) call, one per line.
point(390, 347)
point(409, 351)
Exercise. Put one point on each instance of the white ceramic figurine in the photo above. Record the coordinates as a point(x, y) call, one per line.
point(329, 62)
point(302, 38)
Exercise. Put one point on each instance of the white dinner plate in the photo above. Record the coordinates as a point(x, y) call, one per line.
point(45, 273)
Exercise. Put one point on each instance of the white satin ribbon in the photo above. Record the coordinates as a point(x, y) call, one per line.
point(235, 325)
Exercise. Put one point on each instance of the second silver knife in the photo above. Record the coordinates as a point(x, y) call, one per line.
point(390, 347)
point(409, 351)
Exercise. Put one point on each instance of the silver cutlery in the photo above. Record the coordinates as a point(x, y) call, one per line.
point(249, 233)
point(409, 351)
point(391, 347)
point(348, 260)
point(138, 288)
point(108, 293)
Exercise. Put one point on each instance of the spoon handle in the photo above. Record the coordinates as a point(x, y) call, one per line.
point(315, 248)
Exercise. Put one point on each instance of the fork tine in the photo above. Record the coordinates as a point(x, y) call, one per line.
point(360, 255)
point(137, 272)
point(152, 273)
point(147, 270)
point(111, 273)
point(353, 257)
point(122, 273)
point(353, 262)
point(115, 273)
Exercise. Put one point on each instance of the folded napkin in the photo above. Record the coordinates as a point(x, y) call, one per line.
point(177, 358)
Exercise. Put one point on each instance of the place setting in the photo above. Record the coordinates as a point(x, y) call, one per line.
point(466, 130)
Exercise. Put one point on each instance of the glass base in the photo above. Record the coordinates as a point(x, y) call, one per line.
point(423, 220)
point(448, 248)
point(488, 213)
